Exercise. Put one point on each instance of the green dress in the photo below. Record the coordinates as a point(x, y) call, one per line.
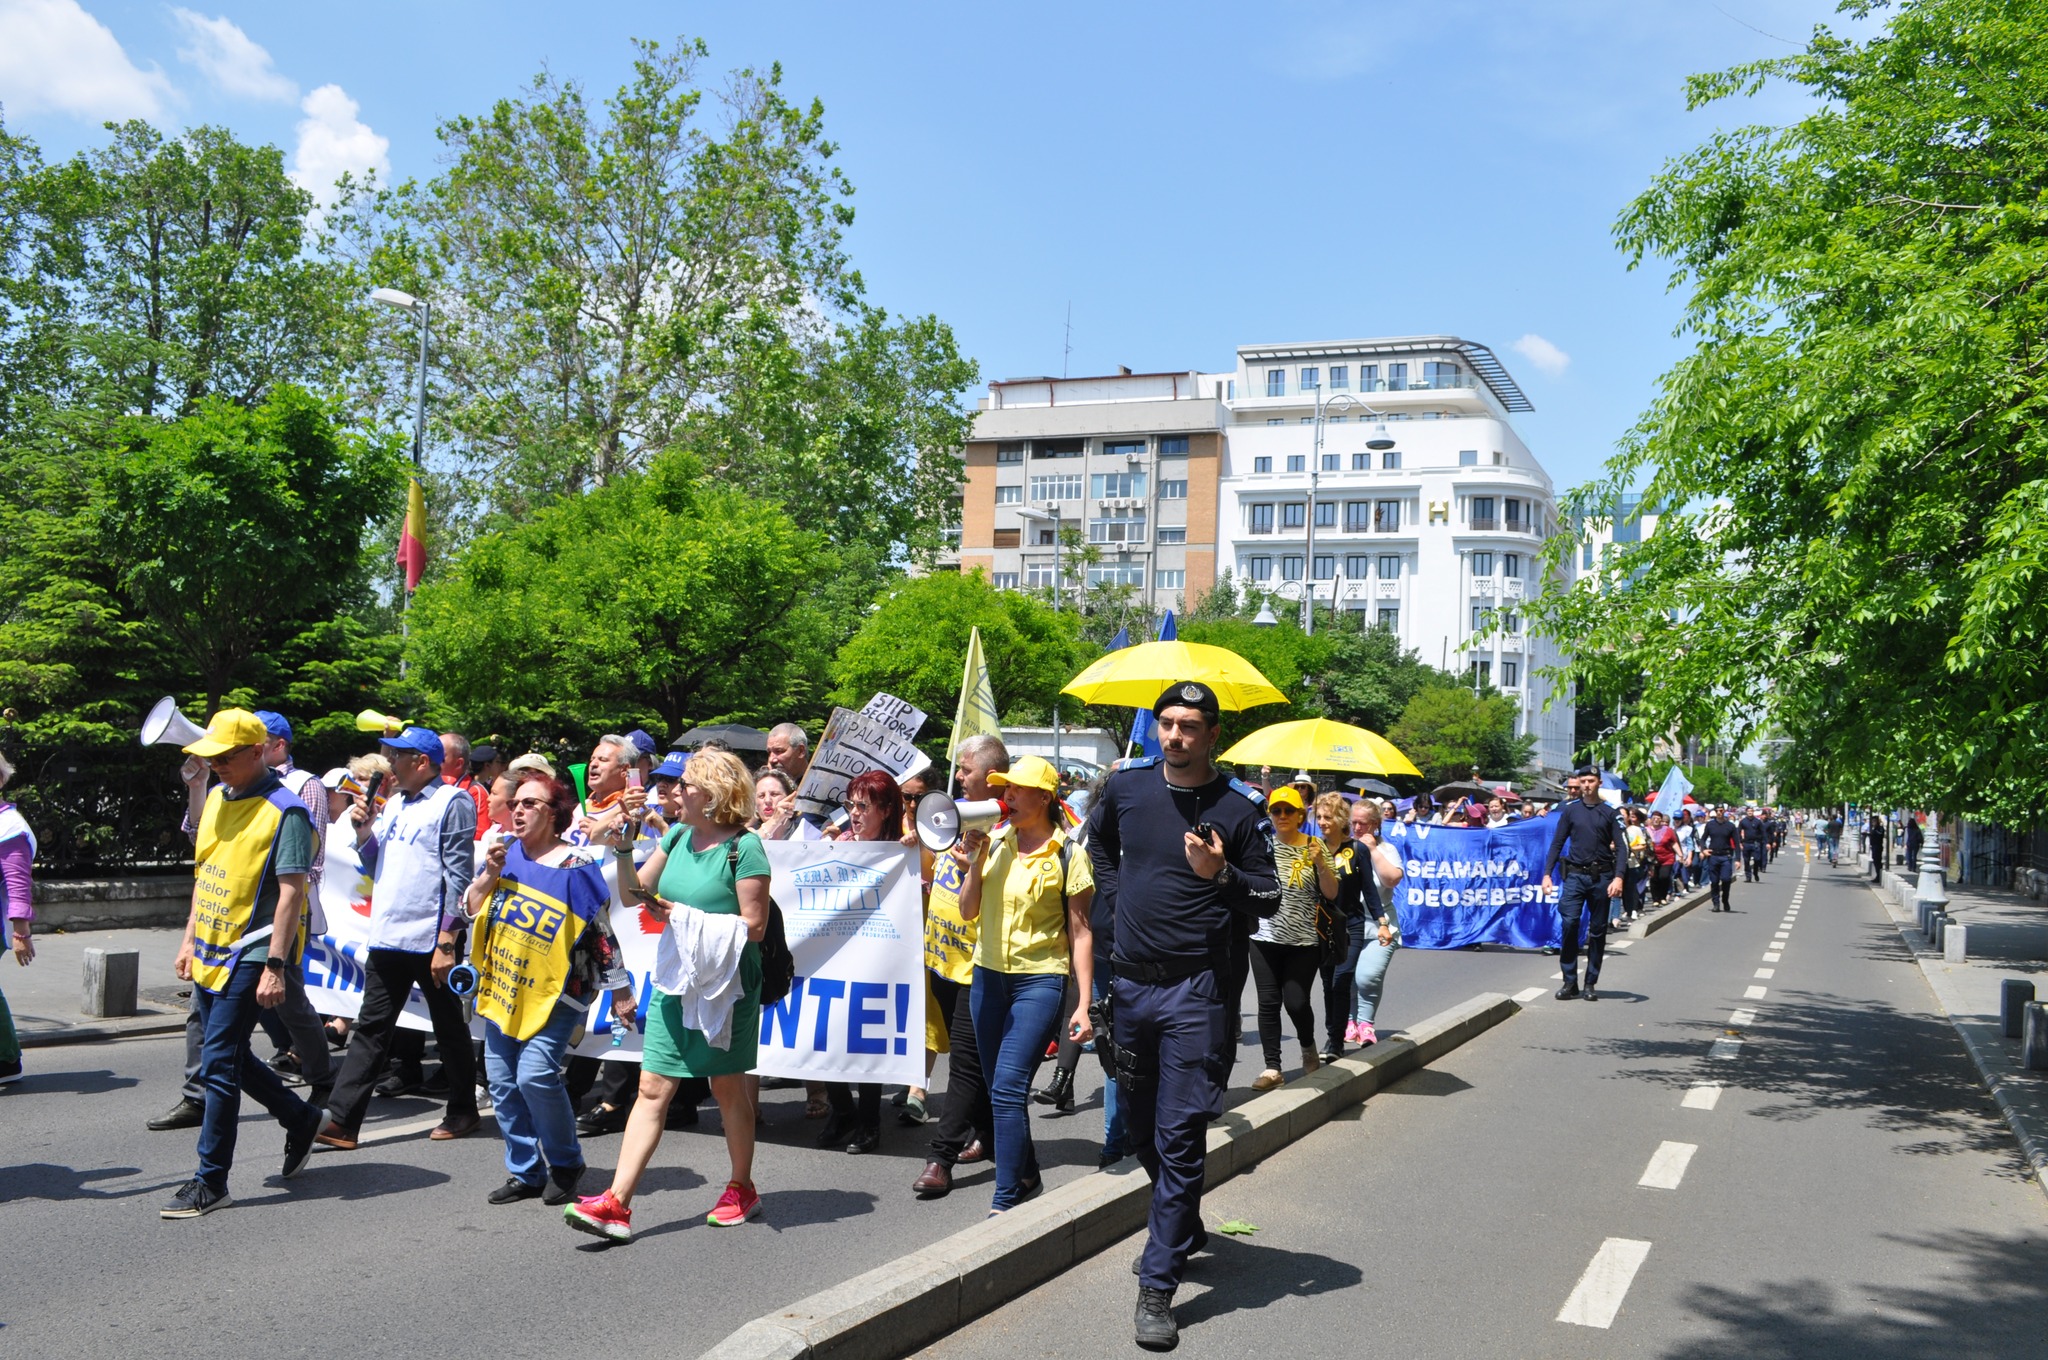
point(671, 1048)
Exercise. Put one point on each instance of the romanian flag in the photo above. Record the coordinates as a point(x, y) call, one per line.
point(412, 539)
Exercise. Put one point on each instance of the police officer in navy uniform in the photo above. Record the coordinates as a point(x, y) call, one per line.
point(1183, 860)
point(1752, 828)
point(1588, 840)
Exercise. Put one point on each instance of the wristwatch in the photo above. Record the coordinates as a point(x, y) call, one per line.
point(1223, 875)
point(274, 964)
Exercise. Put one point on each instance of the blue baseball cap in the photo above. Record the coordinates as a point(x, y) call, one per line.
point(672, 768)
point(423, 740)
point(644, 744)
point(274, 724)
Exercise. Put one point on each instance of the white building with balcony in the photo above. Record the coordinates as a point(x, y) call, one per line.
point(1421, 510)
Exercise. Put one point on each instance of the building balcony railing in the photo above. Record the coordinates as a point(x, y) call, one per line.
point(1484, 523)
point(1259, 389)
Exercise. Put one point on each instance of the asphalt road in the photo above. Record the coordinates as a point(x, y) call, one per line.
point(395, 1242)
point(1847, 1190)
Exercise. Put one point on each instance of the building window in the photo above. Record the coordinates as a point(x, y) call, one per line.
point(1628, 520)
point(1173, 446)
point(1116, 485)
point(1043, 537)
point(1004, 580)
point(1397, 377)
point(1390, 618)
point(1259, 568)
point(1124, 449)
point(1009, 495)
point(1057, 486)
point(1059, 448)
point(1297, 462)
point(1173, 491)
point(1357, 567)
point(1357, 517)
point(1332, 462)
point(1276, 382)
point(1510, 675)
point(1169, 580)
point(1262, 518)
point(1326, 514)
point(1482, 564)
point(1306, 420)
point(1482, 618)
point(1482, 670)
point(1440, 374)
point(1368, 377)
point(1311, 379)
point(1118, 529)
point(1391, 460)
point(1010, 453)
point(1482, 513)
point(1390, 566)
point(1468, 457)
point(1171, 533)
point(1513, 622)
point(1293, 515)
point(1117, 574)
point(1038, 575)
point(1340, 377)
point(1511, 512)
point(1290, 568)
point(1276, 420)
point(1263, 463)
point(1386, 517)
point(1511, 566)
point(1337, 420)
point(1361, 462)
point(1325, 566)
point(1499, 459)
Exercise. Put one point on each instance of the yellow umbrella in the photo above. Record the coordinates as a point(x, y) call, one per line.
point(1135, 677)
point(1320, 744)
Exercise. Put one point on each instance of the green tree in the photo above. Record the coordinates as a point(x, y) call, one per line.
point(1854, 454)
point(914, 646)
point(655, 597)
point(1447, 730)
point(234, 529)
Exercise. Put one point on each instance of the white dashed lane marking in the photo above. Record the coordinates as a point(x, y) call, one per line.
point(1667, 1165)
point(1523, 998)
point(1766, 973)
point(1754, 993)
point(1772, 958)
point(1597, 1297)
point(1725, 1048)
point(1741, 1019)
point(1702, 1096)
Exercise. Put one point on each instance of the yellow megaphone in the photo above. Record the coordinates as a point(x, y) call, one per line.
point(383, 724)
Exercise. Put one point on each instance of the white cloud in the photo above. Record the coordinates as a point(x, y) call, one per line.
point(333, 140)
point(1548, 358)
point(230, 59)
point(56, 57)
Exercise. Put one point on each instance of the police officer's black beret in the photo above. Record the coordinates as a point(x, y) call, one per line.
point(1585, 770)
point(1189, 694)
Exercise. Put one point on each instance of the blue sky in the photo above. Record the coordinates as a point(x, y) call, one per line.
point(1190, 177)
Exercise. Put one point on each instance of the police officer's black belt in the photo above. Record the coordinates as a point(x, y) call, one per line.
point(1157, 974)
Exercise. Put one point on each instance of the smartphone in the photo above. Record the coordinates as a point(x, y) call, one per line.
point(633, 777)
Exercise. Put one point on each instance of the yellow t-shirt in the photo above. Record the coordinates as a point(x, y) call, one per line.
point(948, 938)
point(1023, 917)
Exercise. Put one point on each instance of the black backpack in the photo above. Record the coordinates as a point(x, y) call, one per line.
point(778, 965)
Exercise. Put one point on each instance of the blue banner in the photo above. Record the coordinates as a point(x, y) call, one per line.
point(1465, 886)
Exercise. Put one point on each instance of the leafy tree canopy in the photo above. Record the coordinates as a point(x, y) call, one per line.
point(1854, 454)
point(1448, 730)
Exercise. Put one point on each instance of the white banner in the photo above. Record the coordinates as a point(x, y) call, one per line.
point(854, 915)
point(876, 738)
point(333, 966)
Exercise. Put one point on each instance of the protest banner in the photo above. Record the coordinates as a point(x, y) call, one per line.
point(853, 912)
point(333, 968)
point(855, 743)
point(1464, 886)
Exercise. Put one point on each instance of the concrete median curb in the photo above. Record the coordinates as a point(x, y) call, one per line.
point(1666, 914)
point(916, 1299)
point(128, 1027)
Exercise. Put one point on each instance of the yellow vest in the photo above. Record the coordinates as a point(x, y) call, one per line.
point(236, 842)
point(523, 940)
point(949, 939)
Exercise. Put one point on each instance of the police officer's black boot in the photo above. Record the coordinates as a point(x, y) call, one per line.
point(1156, 1329)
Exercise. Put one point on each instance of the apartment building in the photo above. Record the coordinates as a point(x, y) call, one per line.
point(1129, 460)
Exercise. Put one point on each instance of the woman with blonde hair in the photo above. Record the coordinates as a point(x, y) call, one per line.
point(710, 863)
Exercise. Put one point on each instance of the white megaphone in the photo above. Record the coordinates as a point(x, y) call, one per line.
point(166, 726)
point(941, 822)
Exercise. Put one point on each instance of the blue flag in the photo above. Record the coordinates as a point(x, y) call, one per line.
point(1143, 734)
point(1475, 885)
point(1671, 796)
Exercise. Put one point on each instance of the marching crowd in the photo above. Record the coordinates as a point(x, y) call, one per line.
point(494, 885)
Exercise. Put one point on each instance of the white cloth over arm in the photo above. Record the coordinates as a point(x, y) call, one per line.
point(697, 961)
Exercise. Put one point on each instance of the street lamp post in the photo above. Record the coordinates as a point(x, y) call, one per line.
point(1051, 515)
point(1315, 474)
point(422, 312)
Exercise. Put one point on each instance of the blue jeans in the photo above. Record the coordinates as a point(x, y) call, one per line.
point(227, 1069)
point(534, 1110)
point(1370, 977)
point(1583, 894)
point(1015, 1015)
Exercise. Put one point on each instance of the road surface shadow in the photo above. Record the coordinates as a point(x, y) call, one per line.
point(1988, 1301)
point(349, 1180)
point(1242, 1275)
point(73, 1083)
point(42, 1180)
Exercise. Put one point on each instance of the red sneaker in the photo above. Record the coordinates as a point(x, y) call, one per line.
point(601, 1216)
point(738, 1204)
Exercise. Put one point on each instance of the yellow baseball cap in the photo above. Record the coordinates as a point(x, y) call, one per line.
point(231, 727)
point(1286, 796)
point(1030, 772)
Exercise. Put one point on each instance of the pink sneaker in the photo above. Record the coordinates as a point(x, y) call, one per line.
point(738, 1204)
point(1350, 1031)
point(1366, 1034)
point(601, 1216)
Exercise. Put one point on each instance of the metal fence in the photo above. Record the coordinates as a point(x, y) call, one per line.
point(97, 810)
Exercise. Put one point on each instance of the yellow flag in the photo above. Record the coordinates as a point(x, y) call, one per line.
point(977, 711)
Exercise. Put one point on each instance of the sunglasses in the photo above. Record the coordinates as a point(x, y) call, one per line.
point(538, 804)
point(1287, 811)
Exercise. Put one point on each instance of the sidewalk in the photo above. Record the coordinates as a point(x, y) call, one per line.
point(2008, 937)
point(45, 996)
